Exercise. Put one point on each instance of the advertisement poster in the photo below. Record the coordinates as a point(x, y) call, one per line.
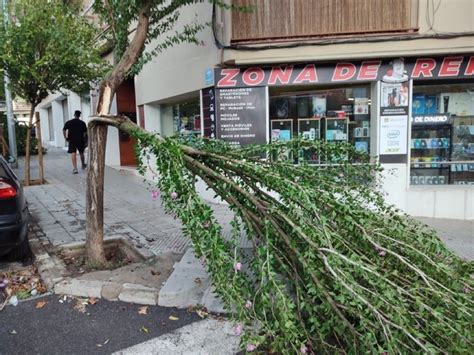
point(242, 116)
point(393, 135)
point(394, 118)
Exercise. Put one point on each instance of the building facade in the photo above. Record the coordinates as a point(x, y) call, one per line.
point(393, 78)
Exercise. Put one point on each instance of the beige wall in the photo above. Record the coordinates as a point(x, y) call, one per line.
point(180, 69)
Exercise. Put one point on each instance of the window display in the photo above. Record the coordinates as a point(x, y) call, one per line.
point(309, 129)
point(442, 144)
point(187, 118)
point(332, 114)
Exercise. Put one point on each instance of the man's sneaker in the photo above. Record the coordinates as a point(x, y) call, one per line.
point(84, 166)
point(74, 171)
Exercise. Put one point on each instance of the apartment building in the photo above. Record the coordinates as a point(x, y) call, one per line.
point(393, 78)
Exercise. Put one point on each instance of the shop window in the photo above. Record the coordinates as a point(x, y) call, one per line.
point(187, 118)
point(442, 137)
point(331, 115)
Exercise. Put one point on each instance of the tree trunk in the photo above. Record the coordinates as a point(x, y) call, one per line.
point(98, 139)
point(27, 147)
point(40, 148)
point(95, 194)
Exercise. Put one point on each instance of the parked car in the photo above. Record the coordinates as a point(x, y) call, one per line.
point(13, 216)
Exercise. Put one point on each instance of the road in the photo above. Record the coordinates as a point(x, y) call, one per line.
point(105, 327)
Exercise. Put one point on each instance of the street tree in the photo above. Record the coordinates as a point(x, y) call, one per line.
point(333, 269)
point(132, 28)
point(46, 47)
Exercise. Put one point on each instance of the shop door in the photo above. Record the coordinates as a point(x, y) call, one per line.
point(126, 106)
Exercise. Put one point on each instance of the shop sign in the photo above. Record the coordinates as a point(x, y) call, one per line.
point(395, 70)
point(208, 77)
point(208, 112)
point(431, 119)
point(242, 115)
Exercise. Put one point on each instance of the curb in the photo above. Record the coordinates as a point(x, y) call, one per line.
point(57, 280)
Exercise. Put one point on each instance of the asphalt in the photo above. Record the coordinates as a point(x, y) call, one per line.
point(106, 327)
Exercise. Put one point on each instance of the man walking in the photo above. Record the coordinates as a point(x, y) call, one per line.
point(75, 132)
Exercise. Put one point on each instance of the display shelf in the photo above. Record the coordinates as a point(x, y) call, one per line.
point(309, 129)
point(430, 148)
point(282, 131)
point(336, 128)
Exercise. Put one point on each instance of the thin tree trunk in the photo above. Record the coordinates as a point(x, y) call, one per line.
point(40, 149)
point(98, 139)
point(27, 148)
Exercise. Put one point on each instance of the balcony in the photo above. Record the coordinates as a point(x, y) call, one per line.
point(290, 20)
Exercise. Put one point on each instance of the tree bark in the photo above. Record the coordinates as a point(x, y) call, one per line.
point(40, 148)
point(27, 147)
point(98, 139)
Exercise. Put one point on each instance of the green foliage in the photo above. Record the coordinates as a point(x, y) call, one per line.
point(333, 268)
point(20, 132)
point(47, 47)
point(121, 16)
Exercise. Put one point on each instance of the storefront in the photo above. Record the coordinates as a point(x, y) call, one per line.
point(415, 114)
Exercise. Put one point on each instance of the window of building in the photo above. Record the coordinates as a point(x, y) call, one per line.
point(187, 118)
point(442, 137)
point(341, 114)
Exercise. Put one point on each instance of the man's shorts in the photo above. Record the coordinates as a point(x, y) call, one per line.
point(76, 146)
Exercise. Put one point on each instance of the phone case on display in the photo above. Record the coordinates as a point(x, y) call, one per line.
point(421, 180)
point(441, 180)
point(416, 180)
point(417, 143)
point(424, 144)
point(429, 180)
point(433, 143)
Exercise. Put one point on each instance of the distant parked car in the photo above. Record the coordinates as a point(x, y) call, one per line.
point(13, 216)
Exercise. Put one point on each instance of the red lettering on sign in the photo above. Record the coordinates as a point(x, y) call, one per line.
point(308, 74)
point(369, 70)
point(450, 66)
point(282, 75)
point(228, 79)
point(253, 76)
point(470, 67)
point(343, 71)
point(423, 66)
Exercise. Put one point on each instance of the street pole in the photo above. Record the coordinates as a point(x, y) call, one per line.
point(9, 107)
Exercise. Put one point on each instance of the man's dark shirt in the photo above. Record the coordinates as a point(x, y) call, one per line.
point(76, 130)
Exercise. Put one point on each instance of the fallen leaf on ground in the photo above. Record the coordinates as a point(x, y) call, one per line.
point(80, 307)
point(143, 310)
point(197, 280)
point(155, 273)
point(40, 304)
point(173, 318)
point(202, 313)
point(144, 329)
point(93, 300)
point(104, 343)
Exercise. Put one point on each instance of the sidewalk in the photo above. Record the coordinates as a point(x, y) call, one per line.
point(129, 210)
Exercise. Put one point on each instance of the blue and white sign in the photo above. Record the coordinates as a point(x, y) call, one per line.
point(209, 77)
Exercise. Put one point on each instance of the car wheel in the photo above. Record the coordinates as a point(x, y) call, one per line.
point(21, 252)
